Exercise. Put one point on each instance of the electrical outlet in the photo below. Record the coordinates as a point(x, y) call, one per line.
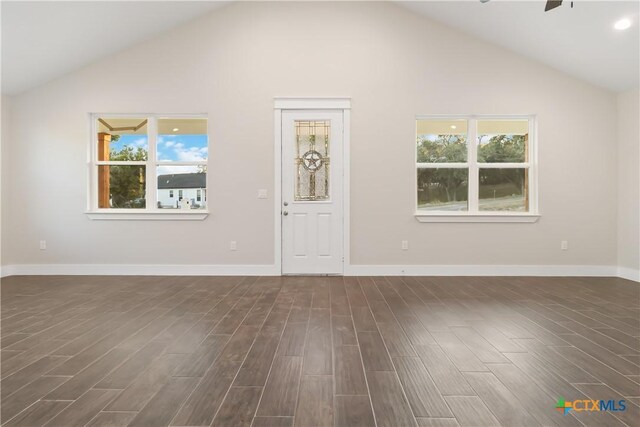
point(262, 194)
point(233, 245)
point(43, 245)
point(564, 245)
point(405, 245)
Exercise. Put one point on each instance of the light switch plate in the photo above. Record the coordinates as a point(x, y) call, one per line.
point(262, 194)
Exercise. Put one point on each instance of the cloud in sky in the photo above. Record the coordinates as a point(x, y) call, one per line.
point(141, 142)
point(134, 141)
point(183, 148)
point(170, 170)
point(192, 154)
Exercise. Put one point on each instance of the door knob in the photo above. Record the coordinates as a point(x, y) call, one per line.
point(285, 213)
point(286, 203)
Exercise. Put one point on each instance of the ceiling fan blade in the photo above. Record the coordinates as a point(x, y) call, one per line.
point(552, 4)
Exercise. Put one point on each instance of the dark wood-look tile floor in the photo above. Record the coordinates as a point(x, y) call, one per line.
point(317, 351)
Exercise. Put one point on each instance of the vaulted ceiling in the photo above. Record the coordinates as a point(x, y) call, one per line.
point(580, 41)
point(44, 40)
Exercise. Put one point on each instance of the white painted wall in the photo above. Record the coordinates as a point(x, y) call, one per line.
point(393, 63)
point(629, 184)
point(5, 172)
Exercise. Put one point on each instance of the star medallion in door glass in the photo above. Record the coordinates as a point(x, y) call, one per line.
point(312, 160)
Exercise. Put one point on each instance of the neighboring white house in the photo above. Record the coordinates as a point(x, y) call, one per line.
point(172, 189)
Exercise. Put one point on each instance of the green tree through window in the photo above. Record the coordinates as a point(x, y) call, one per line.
point(445, 184)
point(501, 149)
point(127, 182)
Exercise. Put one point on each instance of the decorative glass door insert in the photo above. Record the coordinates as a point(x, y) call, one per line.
point(312, 160)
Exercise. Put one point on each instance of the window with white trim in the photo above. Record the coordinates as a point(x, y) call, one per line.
point(138, 161)
point(475, 166)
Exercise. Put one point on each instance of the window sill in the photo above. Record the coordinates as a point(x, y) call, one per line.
point(127, 215)
point(480, 217)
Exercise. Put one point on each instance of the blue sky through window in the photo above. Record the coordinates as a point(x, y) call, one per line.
point(180, 148)
point(134, 141)
point(183, 148)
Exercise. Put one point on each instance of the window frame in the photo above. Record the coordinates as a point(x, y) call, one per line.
point(151, 211)
point(474, 214)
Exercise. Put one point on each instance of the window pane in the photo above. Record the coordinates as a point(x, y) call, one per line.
point(122, 139)
point(188, 183)
point(443, 189)
point(503, 141)
point(504, 190)
point(441, 141)
point(182, 140)
point(121, 187)
point(312, 160)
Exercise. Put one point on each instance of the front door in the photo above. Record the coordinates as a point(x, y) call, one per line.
point(312, 192)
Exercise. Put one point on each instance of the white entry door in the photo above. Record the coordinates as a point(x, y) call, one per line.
point(312, 192)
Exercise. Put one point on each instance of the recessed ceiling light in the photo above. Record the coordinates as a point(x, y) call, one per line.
point(176, 129)
point(453, 126)
point(622, 24)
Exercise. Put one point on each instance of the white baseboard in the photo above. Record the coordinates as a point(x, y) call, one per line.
point(629, 273)
point(482, 270)
point(138, 270)
point(351, 270)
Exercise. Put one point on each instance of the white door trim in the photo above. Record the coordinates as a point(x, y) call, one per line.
point(289, 103)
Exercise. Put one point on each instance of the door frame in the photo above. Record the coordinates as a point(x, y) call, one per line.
point(293, 103)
